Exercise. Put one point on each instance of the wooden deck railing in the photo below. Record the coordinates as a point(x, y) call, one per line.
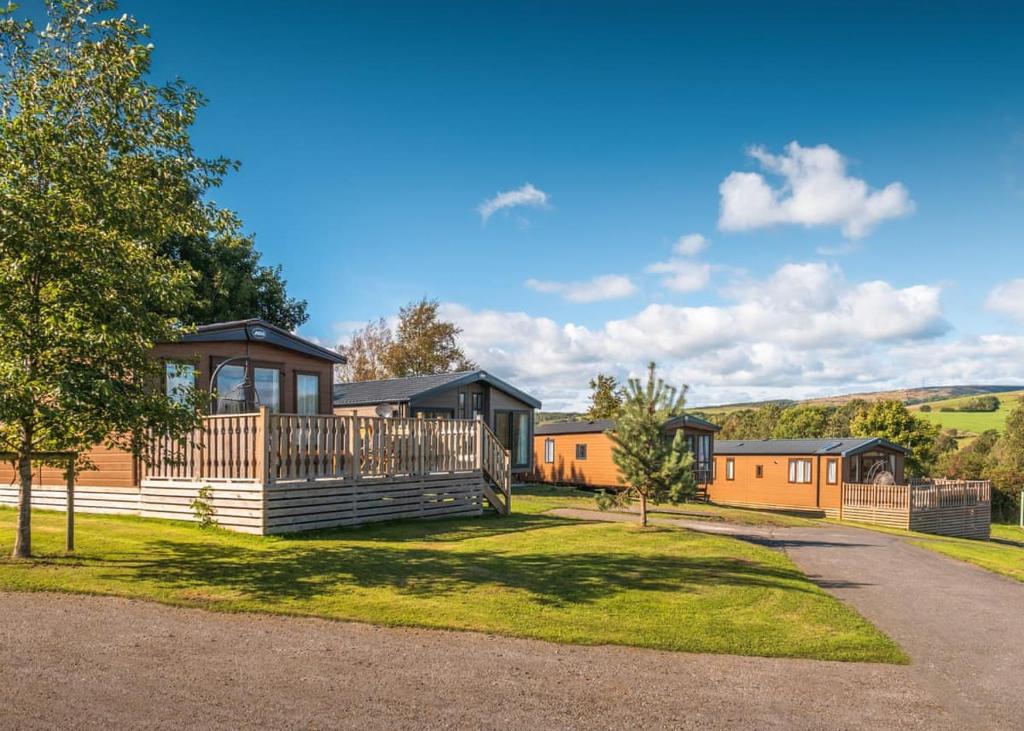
point(281, 448)
point(948, 507)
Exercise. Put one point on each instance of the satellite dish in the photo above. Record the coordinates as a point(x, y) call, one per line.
point(385, 411)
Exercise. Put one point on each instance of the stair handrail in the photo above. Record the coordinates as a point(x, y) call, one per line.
point(495, 462)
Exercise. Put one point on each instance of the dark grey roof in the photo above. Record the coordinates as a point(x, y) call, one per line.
point(602, 425)
point(693, 421)
point(840, 446)
point(255, 330)
point(575, 427)
point(398, 390)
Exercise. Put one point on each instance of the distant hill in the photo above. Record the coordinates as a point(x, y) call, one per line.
point(909, 396)
point(935, 395)
point(971, 422)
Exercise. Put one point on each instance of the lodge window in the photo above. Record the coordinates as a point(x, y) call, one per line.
point(478, 404)
point(730, 469)
point(549, 451)
point(230, 388)
point(581, 452)
point(759, 471)
point(462, 404)
point(307, 393)
point(832, 471)
point(513, 431)
point(179, 380)
point(800, 470)
point(268, 388)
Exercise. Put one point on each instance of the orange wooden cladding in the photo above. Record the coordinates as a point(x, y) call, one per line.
point(111, 468)
point(597, 470)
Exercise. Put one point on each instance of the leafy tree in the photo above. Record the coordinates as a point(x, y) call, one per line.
point(424, 344)
point(972, 461)
point(1006, 466)
point(96, 172)
point(365, 353)
point(802, 422)
point(231, 284)
point(980, 403)
point(926, 408)
point(652, 467)
point(605, 397)
point(893, 421)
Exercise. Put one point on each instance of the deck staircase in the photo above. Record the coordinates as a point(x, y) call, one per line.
point(496, 465)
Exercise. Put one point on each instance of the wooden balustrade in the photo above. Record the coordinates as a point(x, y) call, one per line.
point(279, 448)
point(226, 447)
point(947, 507)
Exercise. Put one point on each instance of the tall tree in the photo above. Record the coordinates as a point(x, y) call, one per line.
point(230, 281)
point(1006, 466)
point(653, 467)
point(605, 397)
point(366, 352)
point(893, 421)
point(96, 172)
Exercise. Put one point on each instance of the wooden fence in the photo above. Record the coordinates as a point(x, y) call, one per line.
point(272, 449)
point(946, 507)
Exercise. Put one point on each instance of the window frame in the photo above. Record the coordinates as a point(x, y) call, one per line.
point(549, 451)
point(832, 471)
point(581, 449)
point(177, 362)
point(513, 416)
point(298, 374)
point(759, 471)
point(730, 469)
point(794, 474)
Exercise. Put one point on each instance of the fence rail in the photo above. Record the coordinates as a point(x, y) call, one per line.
point(285, 448)
point(948, 507)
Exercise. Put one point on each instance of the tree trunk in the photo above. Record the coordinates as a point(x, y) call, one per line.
point(23, 536)
point(643, 510)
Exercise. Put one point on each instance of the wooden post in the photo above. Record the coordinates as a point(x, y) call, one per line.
point(69, 543)
point(842, 498)
point(353, 445)
point(479, 419)
point(263, 446)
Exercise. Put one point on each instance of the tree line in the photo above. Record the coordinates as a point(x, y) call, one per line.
point(932, 451)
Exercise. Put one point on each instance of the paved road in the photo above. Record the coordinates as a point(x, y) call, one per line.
point(101, 663)
point(962, 626)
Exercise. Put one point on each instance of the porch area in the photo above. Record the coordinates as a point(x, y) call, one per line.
point(274, 473)
point(945, 507)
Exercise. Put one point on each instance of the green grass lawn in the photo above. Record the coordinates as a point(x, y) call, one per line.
point(974, 422)
point(1003, 555)
point(539, 498)
point(527, 575)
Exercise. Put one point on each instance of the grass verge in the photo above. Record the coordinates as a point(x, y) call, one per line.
point(527, 575)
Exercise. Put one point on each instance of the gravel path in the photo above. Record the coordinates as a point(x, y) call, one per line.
point(96, 662)
point(962, 626)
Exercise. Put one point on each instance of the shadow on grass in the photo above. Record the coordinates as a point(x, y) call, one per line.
point(553, 579)
point(440, 530)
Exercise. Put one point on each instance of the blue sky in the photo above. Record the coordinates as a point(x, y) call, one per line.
point(370, 133)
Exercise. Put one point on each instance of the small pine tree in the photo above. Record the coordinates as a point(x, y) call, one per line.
point(605, 397)
point(653, 468)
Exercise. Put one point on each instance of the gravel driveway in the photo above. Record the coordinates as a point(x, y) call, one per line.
point(962, 626)
point(96, 662)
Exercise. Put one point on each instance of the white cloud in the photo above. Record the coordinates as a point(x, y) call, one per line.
point(803, 330)
point(690, 245)
point(1008, 299)
point(606, 287)
point(527, 195)
point(684, 276)
point(816, 191)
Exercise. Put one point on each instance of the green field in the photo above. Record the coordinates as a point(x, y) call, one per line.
point(526, 575)
point(973, 422)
